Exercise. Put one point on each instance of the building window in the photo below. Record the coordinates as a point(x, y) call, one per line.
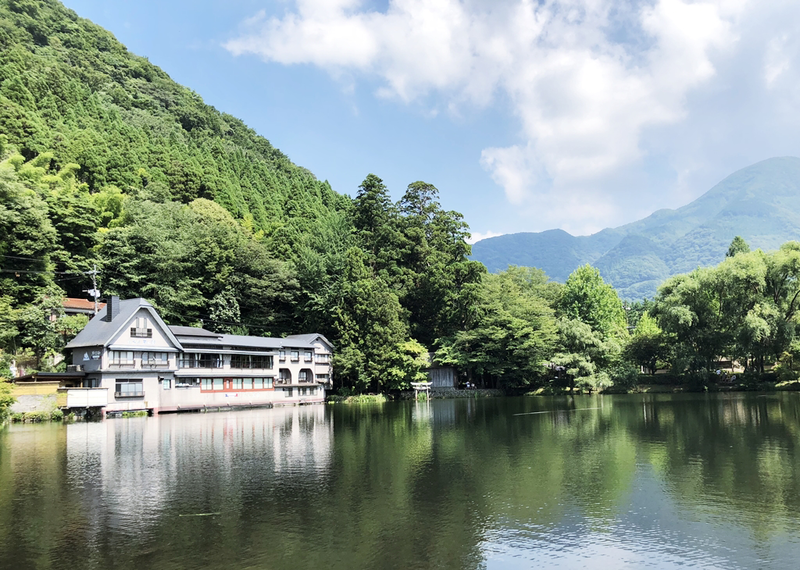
point(304, 375)
point(141, 329)
point(166, 383)
point(287, 392)
point(236, 383)
point(323, 358)
point(251, 361)
point(322, 377)
point(309, 355)
point(268, 383)
point(218, 384)
point(282, 355)
point(285, 376)
point(194, 360)
point(121, 358)
point(258, 383)
point(155, 359)
point(295, 355)
point(129, 389)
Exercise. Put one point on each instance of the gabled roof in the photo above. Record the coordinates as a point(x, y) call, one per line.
point(99, 332)
point(310, 338)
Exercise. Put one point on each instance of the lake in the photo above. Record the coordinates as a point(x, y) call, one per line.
point(623, 481)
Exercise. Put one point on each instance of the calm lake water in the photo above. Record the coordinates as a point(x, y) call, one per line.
point(653, 481)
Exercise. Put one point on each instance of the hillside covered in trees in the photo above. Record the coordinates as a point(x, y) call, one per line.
point(104, 161)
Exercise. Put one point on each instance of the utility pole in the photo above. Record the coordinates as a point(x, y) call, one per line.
point(93, 292)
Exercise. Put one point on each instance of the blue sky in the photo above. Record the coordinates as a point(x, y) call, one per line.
point(578, 114)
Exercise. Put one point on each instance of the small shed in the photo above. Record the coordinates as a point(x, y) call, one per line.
point(442, 377)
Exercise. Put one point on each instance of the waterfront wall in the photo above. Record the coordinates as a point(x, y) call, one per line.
point(37, 397)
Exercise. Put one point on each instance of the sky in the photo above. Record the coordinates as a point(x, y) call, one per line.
point(526, 115)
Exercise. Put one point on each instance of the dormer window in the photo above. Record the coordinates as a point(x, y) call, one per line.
point(141, 328)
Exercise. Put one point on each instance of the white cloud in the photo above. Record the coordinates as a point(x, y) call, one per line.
point(587, 79)
point(478, 236)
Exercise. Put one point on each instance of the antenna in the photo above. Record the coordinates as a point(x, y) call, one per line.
point(94, 292)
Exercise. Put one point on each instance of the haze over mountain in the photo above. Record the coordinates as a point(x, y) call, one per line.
point(761, 203)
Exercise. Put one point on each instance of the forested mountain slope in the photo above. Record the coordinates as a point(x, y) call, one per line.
point(761, 203)
point(68, 87)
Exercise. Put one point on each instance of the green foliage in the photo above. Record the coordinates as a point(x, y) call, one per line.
point(745, 308)
point(38, 416)
point(738, 245)
point(511, 334)
point(587, 298)
point(137, 414)
point(6, 398)
point(648, 345)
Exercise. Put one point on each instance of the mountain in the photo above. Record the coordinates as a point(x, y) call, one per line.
point(761, 203)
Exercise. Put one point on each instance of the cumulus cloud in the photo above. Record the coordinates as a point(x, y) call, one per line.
point(586, 78)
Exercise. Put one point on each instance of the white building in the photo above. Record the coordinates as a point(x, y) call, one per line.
point(131, 360)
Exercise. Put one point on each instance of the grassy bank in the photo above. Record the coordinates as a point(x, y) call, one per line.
point(37, 417)
point(357, 399)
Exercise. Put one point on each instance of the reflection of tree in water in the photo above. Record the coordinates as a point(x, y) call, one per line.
point(393, 486)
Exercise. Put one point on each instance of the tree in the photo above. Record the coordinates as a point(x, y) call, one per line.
point(587, 298)
point(27, 238)
point(372, 338)
point(510, 337)
point(647, 344)
point(738, 245)
point(375, 223)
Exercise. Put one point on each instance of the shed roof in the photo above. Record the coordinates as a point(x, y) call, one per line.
point(81, 304)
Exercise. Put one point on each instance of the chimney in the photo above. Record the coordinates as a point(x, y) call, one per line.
point(112, 308)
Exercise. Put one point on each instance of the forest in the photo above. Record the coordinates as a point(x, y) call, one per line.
point(104, 161)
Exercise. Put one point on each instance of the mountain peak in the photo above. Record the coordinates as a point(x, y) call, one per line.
point(760, 202)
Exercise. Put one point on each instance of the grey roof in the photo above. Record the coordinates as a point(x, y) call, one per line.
point(193, 331)
point(99, 332)
point(253, 341)
point(310, 338)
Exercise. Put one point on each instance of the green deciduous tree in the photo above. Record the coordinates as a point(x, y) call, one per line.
point(587, 298)
point(511, 335)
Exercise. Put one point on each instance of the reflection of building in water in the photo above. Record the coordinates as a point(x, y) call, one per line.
point(135, 470)
point(422, 412)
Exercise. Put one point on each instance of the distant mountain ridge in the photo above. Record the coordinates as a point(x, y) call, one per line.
point(761, 203)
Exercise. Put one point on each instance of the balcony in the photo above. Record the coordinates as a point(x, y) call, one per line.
point(85, 397)
point(129, 394)
point(200, 364)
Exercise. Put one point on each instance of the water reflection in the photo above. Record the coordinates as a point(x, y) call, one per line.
point(704, 481)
